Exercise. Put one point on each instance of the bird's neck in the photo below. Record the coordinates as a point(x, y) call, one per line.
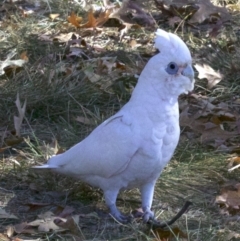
point(147, 94)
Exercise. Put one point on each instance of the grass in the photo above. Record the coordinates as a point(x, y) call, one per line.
point(54, 101)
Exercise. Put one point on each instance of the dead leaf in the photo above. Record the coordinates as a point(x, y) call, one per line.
point(91, 23)
point(230, 197)
point(89, 72)
point(45, 223)
point(85, 120)
point(4, 237)
point(74, 20)
point(67, 210)
point(194, 11)
point(19, 119)
point(11, 64)
point(216, 29)
point(208, 9)
point(96, 22)
point(205, 71)
point(163, 234)
point(53, 16)
point(23, 228)
point(174, 20)
point(9, 231)
point(24, 56)
point(34, 206)
point(71, 224)
point(5, 215)
point(215, 133)
point(13, 140)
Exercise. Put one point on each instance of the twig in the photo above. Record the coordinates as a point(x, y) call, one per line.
point(156, 224)
point(235, 167)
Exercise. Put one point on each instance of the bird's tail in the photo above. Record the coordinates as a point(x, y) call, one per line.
point(46, 166)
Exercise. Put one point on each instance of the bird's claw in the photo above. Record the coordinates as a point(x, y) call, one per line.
point(147, 215)
point(122, 218)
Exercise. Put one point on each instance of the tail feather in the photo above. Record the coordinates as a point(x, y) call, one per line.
point(46, 166)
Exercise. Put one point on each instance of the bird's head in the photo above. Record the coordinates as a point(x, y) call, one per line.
point(170, 71)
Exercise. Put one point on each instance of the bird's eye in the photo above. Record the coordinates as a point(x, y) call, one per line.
point(172, 68)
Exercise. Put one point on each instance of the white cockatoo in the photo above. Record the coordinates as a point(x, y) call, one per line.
point(131, 148)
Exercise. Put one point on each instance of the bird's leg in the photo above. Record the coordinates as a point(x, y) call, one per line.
point(147, 192)
point(110, 199)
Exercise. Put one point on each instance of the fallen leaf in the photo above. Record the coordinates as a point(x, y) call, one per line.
point(19, 119)
point(9, 231)
point(163, 234)
point(89, 72)
point(214, 133)
point(208, 9)
point(71, 224)
point(91, 23)
point(4, 237)
point(34, 206)
point(23, 228)
point(74, 19)
point(216, 29)
point(85, 120)
point(193, 11)
point(46, 222)
point(11, 64)
point(54, 15)
point(24, 56)
point(230, 198)
point(13, 140)
point(205, 71)
point(5, 215)
point(66, 212)
point(96, 22)
point(174, 20)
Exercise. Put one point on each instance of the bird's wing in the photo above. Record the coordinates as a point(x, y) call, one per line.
point(107, 151)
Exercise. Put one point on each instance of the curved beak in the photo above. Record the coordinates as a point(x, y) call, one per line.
point(188, 72)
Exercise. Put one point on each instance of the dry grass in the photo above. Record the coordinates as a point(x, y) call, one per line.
point(195, 173)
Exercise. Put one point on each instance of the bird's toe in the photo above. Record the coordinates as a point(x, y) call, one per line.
point(148, 215)
point(121, 217)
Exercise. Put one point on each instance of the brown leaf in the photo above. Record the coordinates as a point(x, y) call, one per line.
point(186, 120)
point(23, 228)
point(74, 20)
point(34, 206)
point(4, 237)
point(163, 234)
point(91, 23)
point(71, 224)
point(230, 197)
point(174, 20)
point(211, 134)
point(216, 29)
point(24, 56)
point(194, 11)
point(206, 10)
point(13, 140)
point(66, 212)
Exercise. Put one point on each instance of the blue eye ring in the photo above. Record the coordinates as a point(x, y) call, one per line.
point(172, 68)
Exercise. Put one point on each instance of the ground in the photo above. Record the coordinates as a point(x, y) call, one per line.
point(73, 74)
